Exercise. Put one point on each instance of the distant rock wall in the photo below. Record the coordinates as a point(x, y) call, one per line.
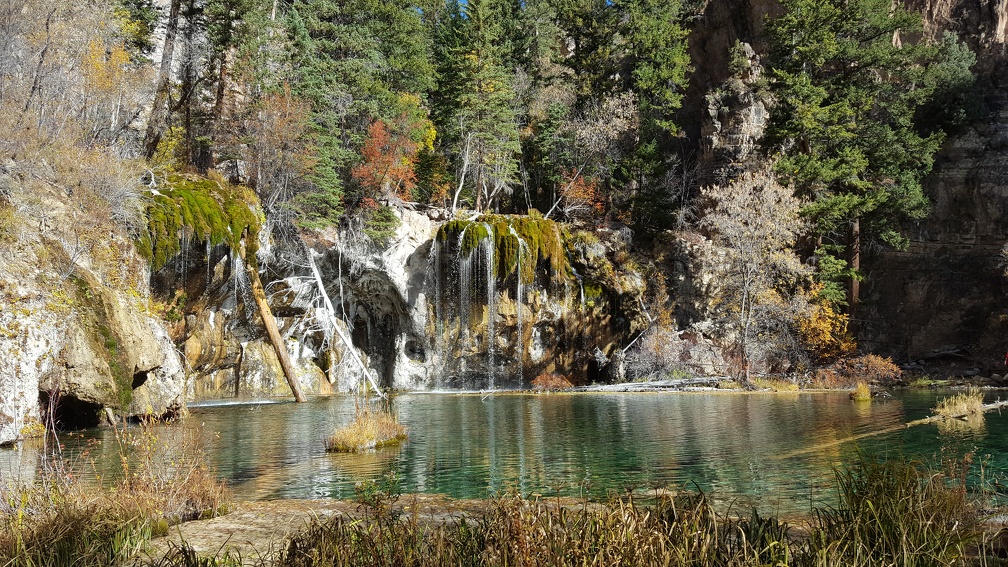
point(943, 303)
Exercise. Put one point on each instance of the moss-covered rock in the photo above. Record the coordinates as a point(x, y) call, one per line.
point(522, 244)
point(198, 209)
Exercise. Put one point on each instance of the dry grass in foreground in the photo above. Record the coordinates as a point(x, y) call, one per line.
point(888, 513)
point(371, 428)
point(62, 519)
point(962, 404)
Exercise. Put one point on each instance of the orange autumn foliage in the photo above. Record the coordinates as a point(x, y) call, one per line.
point(387, 168)
point(580, 194)
point(825, 335)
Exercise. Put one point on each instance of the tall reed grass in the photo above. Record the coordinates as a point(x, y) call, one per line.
point(888, 513)
point(372, 427)
point(861, 392)
point(962, 404)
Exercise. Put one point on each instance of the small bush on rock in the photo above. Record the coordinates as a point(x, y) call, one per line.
point(869, 368)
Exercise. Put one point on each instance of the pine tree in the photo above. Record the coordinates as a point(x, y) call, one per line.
point(352, 59)
point(486, 131)
point(847, 89)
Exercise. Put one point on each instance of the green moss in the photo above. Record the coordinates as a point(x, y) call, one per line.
point(522, 244)
point(592, 292)
point(120, 374)
point(199, 209)
point(104, 340)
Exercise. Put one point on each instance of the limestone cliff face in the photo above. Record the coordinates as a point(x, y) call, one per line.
point(942, 301)
point(219, 330)
point(720, 25)
point(444, 306)
point(419, 312)
point(981, 23)
point(76, 329)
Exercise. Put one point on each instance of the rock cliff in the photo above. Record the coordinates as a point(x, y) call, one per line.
point(421, 311)
point(941, 303)
point(78, 331)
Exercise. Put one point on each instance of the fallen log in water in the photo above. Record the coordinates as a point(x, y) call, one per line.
point(929, 419)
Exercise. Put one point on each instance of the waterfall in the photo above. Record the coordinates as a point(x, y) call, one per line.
point(243, 288)
point(182, 267)
point(487, 246)
point(465, 283)
point(434, 263)
point(580, 282)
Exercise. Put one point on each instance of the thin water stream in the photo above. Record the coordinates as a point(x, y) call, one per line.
point(774, 451)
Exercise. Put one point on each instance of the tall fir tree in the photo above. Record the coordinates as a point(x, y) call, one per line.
point(848, 85)
point(352, 58)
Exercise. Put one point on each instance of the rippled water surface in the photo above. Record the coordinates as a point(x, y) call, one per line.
point(777, 451)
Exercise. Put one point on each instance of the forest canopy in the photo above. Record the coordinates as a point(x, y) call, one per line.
point(336, 109)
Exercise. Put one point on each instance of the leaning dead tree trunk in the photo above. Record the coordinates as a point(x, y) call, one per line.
point(330, 313)
point(159, 111)
point(271, 328)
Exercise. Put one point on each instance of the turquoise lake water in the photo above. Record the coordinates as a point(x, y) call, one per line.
point(775, 451)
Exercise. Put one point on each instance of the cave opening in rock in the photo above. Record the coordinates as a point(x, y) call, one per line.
point(67, 412)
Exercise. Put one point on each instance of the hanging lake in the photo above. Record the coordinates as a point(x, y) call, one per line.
point(776, 451)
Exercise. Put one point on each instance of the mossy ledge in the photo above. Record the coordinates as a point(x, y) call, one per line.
point(521, 244)
point(197, 208)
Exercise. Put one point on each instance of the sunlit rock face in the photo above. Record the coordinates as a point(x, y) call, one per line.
point(76, 331)
point(485, 303)
point(219, 331)
point(476, 304)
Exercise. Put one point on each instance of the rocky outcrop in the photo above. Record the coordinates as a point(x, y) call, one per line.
point(220, 333)
point(415, 313)
point(721, 24)
point(736, 117)
point(76, 330)
point(432, 311)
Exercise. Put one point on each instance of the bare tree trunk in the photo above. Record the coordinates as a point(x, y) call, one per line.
point(855, 283)
point(159, 110)
point(271, 330)
point(462, 175)
point(331, 315)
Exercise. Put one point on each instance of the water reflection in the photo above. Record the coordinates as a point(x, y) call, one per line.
point(774, 450)
point(974, 427)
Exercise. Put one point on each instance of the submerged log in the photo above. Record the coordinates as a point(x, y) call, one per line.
point(930, 419)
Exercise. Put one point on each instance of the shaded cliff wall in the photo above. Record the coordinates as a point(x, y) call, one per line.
point(942, 302)
point(720, 24)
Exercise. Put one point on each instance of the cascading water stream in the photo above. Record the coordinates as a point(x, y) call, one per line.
point(487, 247)
point(439, 328)
point(243, 288)
point(519, 303)
point(465, 289)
